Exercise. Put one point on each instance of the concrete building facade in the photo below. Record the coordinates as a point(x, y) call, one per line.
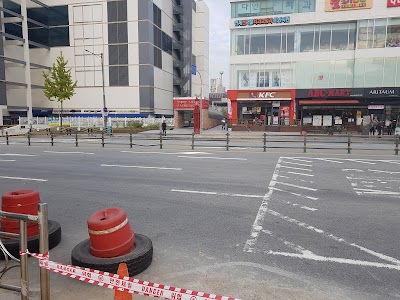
point(148, 47)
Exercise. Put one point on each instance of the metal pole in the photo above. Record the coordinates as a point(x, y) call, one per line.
point(349, 144)
point(29, 138)
point(76, 139)
point(102, 138)
point(104, 91)
point(396, 150)
point(265, 142)
point(52, 139)
point(130, 140)
point(305, 142)
point(227, 142)
point(201, 103)
point(161, 139)
point(23, 245)
point(193, 141)
point(44, 249)
point(8, 143)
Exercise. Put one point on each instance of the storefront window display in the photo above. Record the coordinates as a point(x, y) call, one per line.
point(393, 33)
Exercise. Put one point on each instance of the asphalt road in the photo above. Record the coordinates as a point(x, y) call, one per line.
point(250, 225)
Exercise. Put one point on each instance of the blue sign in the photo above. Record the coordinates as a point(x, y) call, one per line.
point(194, 70)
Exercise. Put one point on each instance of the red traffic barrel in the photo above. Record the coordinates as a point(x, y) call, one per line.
point(110, 233)
point(20, 202)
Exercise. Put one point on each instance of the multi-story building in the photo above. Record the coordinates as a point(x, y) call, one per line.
point(148, 48)
point(213, 85)
point(317, 62)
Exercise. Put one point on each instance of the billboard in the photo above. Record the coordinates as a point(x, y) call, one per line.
point(345, 5)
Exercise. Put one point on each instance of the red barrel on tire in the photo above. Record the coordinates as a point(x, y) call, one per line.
point(20, 202)
point(110, 233)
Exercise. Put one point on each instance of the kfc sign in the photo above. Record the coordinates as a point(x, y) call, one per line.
point(393, 3)
point(266, 95)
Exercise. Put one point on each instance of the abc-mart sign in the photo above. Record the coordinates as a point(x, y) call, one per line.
point(263, 21)
point(393, 3)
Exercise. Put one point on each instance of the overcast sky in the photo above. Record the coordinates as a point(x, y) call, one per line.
point(219, 38)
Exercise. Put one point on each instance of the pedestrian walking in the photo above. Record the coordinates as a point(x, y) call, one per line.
point(223, 123)
point(248, 126)
point(164, 128)
point(379, 128)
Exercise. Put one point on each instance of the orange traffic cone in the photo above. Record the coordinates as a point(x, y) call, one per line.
point(122, 271)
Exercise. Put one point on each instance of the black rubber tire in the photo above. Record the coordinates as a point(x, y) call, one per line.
point(54, 229)
point(138, 260)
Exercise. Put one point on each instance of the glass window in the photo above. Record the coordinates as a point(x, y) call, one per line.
point(359, 72)
point(398, 73)
point(370, 33)
point(389, 76)
point(352, 36)
point(240, 44)
point(254, 70)
point(306, 6)
point(350, 74)
point(374, 72)
point(362, 34)
point(340, 37)
point(274, 40)
point(243, 79)
point(325, 38)
point(393, 33)
point(307, 39)
point(263, 79)
point(321, 74)
point(379, 39)
point(340, 73)
point(257, 44)
point(288, 40)
point(304, 75)
point(288, 6)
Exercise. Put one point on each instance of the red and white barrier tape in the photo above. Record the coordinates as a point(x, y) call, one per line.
point(127, 284)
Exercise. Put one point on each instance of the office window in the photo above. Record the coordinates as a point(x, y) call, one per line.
point(325, 38)
point(156, 16)
point(393, 33)
point(166, 43)
point(340, 37)
point(157, 58)
point(157, 37)
point(362, 34)
point(257, 43)
point(274, 38)
point(289, 41)
point(307, 38)
point(379, 38)
point(352, 36)
point(117, 11)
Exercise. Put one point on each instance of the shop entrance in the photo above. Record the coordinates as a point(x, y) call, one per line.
point(265, 113)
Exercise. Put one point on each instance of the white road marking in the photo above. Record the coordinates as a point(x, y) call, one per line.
point(7, 160)
point(331, 236)
point(65, 152)
point(16, 154)
point(354, 170)
point(312, 256)
point(380, 179)
point(285, 242)
point(296, 194)
point(142, 167)
point(297, 186)
point(392, 162)
point(22, 178)
point(379, 171)
point(301, 174)
point(362, 161)
point(258, 222)
point(210, 157)
point(283, 176)
point(376, 192)
point(166, 153)
point(294, 168)
point(294, 204)
point(297, 164)
point(330, 160)
point(217, 194)
point(292, 158)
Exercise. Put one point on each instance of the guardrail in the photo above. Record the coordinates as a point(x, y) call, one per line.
point(263, 142)
point(41, 219)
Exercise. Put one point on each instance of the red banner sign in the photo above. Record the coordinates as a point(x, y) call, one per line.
point(393, 3)
point(189, 104)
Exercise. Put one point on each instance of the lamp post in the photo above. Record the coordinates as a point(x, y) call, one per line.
point(201, 102)
point(105, 112)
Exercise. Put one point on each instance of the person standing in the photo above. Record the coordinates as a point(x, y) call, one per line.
point(164, 128)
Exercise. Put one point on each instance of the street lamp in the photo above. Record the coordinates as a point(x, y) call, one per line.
point(105, 112)
point(201, 102)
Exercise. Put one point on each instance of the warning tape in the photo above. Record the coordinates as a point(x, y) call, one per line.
point(120, 283)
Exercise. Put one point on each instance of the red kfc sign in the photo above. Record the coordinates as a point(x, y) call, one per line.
point(393, 3)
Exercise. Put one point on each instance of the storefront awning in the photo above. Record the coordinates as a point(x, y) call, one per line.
point(327, 102)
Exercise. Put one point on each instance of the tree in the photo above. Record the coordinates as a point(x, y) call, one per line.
point(58, 84)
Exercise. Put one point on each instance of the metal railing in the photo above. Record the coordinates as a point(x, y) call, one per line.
point(305, 143)
point(42, 220)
